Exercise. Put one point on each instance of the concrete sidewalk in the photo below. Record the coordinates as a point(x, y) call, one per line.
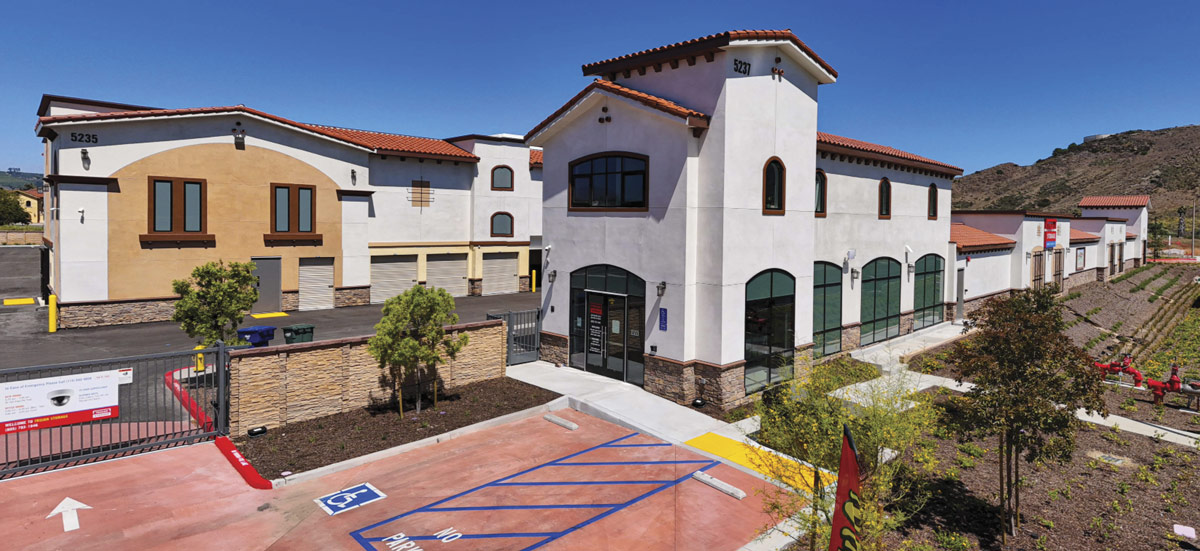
point(887, 354)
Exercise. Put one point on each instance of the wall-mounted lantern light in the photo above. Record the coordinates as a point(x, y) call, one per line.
point(854, 273)
point(552, 275)
point(1028, 255)
point(662, 288)
point(912, 268)
point(87, 161)
point(353, 177)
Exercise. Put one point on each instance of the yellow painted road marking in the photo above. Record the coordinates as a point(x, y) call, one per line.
point(18, 301)
point(768, 464)
point(269, 315)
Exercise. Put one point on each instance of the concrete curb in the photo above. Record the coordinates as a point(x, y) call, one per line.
point(562, 402)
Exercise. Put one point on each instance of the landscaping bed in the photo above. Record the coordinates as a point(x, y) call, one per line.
point(304, 446)
point(1139, 405)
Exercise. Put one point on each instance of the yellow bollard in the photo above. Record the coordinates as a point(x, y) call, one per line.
point(532, 281)
point(199, 359)
point(53, 313)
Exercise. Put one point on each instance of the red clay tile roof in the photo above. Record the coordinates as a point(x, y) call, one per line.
point(1080, 236)
point(850, 143)
point(1102, 201)
point(30, 192)
point(1130, 236)
point(378, 141)
point(713, 41)
point(971, 239)
point(693, 117)
point(535, 158)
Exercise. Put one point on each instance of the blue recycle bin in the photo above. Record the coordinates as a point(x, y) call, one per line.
point(257, 335)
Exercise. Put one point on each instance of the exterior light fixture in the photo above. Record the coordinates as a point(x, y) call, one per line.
point(662, 288)
point(854, 273)
point(552, 275)
point(1028, 255)
point(87, 161)
point(353, 177)
point(912, 268)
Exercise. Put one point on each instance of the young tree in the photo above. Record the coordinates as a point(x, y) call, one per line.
point(411, 339)
point(214, 300)
point(11, 211)
point(1029, 381)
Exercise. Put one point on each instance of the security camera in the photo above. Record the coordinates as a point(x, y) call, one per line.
point(60, 397)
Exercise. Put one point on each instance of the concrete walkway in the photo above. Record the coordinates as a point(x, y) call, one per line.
point(887, 354)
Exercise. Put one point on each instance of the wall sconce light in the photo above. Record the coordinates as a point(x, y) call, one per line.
point(854, 273)
point(912, 268)
point(239, 138)
point(662, 288)
point(552, 275)
point(1028, 255)
point(353, 177)
point(87, 161)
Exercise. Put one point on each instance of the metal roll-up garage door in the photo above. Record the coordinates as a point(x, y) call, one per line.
point(392, 275)
point(447, 271)
point(316, 283)
point(500, 273)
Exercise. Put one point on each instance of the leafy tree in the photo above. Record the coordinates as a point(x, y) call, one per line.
point(214, 300)
point(803, 419)
point(1158, 236)
point(410, 340)
point(1029, 381)
point(11, 211)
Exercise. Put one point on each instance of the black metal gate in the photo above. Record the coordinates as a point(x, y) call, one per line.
point(524, 334)
point(74, 413)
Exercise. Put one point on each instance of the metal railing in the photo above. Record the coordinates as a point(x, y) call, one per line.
point(73, 413)
point(524, 334)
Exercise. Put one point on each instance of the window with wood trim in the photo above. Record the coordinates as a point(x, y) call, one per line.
point(502, 225)
point(933, 201)
point(822, 193)
point(420, 194)
point(610, 181)
point(502, 178)
point(178, 206)
point(774, 186)
point(885, 199)
point(293, 208)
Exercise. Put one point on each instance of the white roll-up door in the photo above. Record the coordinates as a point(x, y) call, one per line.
point(447, 271)
point(316, 283)
point(500, 273)
point(392, 275)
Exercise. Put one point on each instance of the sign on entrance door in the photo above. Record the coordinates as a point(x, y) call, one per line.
point(595, 327)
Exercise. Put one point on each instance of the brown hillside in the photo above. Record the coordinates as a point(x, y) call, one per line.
point(1164, 164)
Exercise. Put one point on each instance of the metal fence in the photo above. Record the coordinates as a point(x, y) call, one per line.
point(524, 334)
point(69, 414)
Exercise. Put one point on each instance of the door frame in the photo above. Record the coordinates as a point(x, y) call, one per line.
point(258, 284)
point(960, 293)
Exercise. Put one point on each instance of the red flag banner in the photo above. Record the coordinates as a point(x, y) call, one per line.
point(847, 513)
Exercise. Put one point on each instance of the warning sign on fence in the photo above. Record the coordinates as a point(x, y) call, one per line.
point(55, 401)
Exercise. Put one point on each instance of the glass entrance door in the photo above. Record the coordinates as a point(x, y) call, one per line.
point(595, 331)
point(614, 319)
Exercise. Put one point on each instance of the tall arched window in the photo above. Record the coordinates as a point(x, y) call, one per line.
point(821, 193)
point(885, 199)
point(774, 186)
point(502, 225)
point(827, 309)
point(928, 291)
point(880, 307)
point(502, 178)
point(933, 206)
point(770, 328)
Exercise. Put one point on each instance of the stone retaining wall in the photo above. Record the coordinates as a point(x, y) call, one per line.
point(277, 385)
point(553, 349)
point(123, 312)
point(20, 238)
point(354, 296)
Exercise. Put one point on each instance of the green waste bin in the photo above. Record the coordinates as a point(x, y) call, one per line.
point(301, 332)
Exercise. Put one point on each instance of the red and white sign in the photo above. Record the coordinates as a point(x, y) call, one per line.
point(55, 401)
point(1051, 234)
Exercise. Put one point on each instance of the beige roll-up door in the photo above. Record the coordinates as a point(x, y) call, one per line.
point(447, 271)
point(392, 275)
point(500, 273)
point(316, 283)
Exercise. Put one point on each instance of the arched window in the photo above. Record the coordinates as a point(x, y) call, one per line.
point(821, 193)
point(827, 309)
point(609, 181)
point(502, 225)
point(928, 291)
point(502, 178)
point(770, 328)
point(885, 199)
point(880, 303)
point(774, 186)
point(608, 319)
point(933, 191)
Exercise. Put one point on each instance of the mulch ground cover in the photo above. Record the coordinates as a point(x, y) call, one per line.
point(304, 446)
point(1139, 405)
point(1087, 504)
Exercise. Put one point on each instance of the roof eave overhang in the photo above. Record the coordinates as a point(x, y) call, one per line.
point(1089, 240)
point(547, 128)
point(842, 150)
point(433, 156)
point(709, 46)
point(984, 248)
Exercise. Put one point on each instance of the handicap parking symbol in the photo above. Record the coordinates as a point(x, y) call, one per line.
point(350, 498)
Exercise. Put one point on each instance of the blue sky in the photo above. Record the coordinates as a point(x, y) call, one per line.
point(969, 83)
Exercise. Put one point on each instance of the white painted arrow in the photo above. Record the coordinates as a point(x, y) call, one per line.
point(69, 508)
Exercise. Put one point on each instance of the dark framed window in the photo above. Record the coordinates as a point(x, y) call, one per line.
point(928, 291)
point(596, 344)
point(827, 309)
point(880, 304)
point(933, 201)
point(774, 186)
point(822, 191)
point(293, 208)
point(502, 178)
point(502, 225)
point(770, 329)
point(1080, 258)
point(178, 205)
point(607, 181)
point(885, 199)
